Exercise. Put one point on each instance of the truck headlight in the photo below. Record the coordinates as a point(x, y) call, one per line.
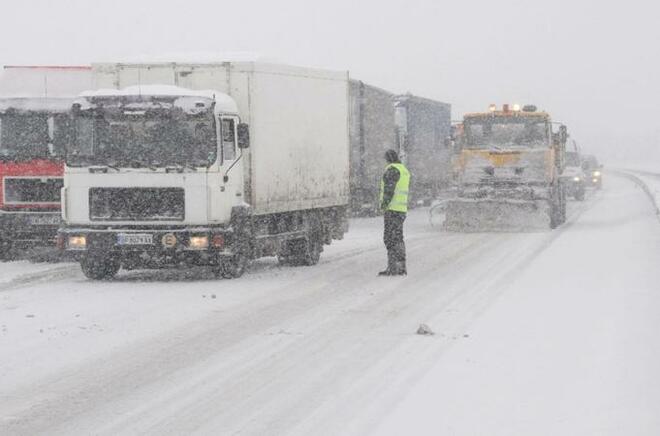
point(596, 173)
point(198, 242)
point(77, 242)
point(576, 179)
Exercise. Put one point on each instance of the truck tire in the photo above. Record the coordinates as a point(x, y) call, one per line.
point(580, 194)
point(7, 252)
point(304, 252)
point(232, 267)
point(99, 267)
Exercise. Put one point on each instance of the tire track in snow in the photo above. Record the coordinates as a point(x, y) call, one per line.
point(56, 273)
point(139, 365)
point(237, 367)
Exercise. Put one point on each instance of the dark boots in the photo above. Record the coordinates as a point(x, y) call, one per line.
point(396, 262)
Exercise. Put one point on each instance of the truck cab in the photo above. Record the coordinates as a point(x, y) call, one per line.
point(32, 135)
point(507, 166)
point(34, 127)
point(574, 177)
point(151, 169)
point(593, 171)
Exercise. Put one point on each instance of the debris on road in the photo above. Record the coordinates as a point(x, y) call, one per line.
point(425, 330)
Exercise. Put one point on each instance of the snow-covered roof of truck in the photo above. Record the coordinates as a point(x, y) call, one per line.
point(223, 102)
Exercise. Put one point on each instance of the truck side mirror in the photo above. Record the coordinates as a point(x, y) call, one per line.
point(243, 132)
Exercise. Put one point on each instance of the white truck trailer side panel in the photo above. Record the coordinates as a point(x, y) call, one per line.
point(53, 82)
point(299, 153)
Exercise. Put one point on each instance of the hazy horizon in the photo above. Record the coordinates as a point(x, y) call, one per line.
point(593, 66)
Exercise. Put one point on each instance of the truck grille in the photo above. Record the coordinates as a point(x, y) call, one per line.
point(136, 204)
point(31, 190)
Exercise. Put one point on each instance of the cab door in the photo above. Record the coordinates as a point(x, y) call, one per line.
point(226, 186)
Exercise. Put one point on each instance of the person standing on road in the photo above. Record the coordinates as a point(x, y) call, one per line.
point(394, 203)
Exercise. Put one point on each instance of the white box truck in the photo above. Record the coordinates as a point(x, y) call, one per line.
point(206, 164)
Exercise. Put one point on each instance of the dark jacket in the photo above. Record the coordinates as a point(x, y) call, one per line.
point(390, 179)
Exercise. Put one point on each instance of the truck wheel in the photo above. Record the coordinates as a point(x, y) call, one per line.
point(307, 252)
point(579, 194)
point(301, 252)
point(99, 268)
point(6, 251)
point(232, 267)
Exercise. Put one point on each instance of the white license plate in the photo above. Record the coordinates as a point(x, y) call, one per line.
point(135, 239)
point(40, 220)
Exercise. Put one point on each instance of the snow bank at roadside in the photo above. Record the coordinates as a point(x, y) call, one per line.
point(648, 181)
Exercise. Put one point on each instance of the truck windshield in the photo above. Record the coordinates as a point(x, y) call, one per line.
point(24, 136)
point(142, 139)
point(506, 132)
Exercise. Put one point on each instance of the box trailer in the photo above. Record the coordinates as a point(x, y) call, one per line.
point(34, 125)
point(373, 132)
point(423, 132)
point(212, 164)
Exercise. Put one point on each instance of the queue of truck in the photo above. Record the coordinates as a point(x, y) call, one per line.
point(151, 165)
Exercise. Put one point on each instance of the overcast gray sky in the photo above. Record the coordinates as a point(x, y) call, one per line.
point(595, 65)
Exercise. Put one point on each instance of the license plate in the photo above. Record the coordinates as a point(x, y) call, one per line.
point(135, 239)
point(41, 220)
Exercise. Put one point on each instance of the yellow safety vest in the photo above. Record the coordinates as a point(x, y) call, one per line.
point(399, 202)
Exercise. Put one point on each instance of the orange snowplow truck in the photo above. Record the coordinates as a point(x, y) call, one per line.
point(507, 166)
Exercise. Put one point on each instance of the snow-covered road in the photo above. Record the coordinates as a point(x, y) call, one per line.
point(536, 333)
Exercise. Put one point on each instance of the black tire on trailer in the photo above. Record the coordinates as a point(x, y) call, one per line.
point(309, 251)
point(7, 252)
point(232, 267)
point(99, 267)
point(301, 252)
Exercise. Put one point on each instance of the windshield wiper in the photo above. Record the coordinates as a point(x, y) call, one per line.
point(102, 168)
point(134, 163)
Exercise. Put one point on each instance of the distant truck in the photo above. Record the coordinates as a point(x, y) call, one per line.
point(34, 106)
point(509, 168)
point(206, 164)
point(573, 176)
point(593, 171)
point(373, 132)
point(423, 132)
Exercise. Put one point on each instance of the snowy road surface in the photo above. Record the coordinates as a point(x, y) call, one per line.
point(535, 333)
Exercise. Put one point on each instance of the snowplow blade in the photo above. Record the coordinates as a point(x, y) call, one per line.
point(469, 215)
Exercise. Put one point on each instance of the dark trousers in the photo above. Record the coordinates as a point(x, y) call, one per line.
point(393, 238)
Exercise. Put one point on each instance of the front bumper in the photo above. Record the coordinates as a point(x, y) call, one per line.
point(150, 247)
point(28, 228)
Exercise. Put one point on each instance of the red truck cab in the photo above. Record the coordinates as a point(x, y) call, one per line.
point(34, 128)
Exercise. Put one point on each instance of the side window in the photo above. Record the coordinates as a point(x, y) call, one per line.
point(84, 144)
point(228, 140)
point(60, 133)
